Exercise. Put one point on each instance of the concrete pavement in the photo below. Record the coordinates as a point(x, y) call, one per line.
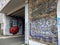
point(12, 41)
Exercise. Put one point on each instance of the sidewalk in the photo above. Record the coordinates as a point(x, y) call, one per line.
point(12, 40)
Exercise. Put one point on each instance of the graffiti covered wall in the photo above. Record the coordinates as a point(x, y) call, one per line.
point(43, 21)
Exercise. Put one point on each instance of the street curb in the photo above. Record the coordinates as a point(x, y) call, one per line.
point(5, 37)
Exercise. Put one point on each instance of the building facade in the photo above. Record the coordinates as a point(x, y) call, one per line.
point(41, 19)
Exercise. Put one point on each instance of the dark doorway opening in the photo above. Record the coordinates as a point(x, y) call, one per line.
point(20, 14)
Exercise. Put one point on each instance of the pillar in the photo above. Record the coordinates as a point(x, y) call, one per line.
point(26, 23)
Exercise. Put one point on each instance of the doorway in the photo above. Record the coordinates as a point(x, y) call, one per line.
point(19, 15)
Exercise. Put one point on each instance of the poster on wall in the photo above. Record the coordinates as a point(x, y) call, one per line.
point(43, 25)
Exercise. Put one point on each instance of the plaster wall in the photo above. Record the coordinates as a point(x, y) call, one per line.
point(58, 21)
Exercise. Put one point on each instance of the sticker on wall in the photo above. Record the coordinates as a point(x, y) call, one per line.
point(58, 21)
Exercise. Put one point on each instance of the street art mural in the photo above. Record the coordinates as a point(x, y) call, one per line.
point(43, 21)
point(15, 25)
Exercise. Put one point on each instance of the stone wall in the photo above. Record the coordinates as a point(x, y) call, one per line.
point(43, 21)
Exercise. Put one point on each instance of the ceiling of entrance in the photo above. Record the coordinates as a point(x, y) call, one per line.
point(19, 13)
point(12, 6)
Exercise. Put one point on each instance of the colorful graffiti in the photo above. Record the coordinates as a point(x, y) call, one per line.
point(43, 24)
point(43, 29)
